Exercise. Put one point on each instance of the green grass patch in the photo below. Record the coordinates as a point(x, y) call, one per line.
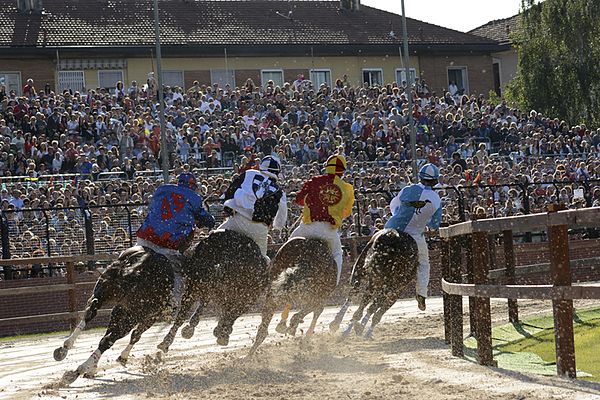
point(529, 346)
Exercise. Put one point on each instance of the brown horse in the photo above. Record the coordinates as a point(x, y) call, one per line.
point(227, 269)
point(390, 264)
point(304, 274)
point(140, 283)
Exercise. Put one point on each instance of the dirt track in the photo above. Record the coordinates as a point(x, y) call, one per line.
point(408, 359)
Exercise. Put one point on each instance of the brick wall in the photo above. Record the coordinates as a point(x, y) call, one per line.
point(242, 75)
point(44, 303)
point(434, 69)
point(40, 70)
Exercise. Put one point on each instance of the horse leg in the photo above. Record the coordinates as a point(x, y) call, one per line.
point(365, 299)
point(385, 305)
point(225, 326)
point(337, 321)
point(296, 320)
point(316, 314)
point(186, 304)
point(94, 303)
point(282, 325)
point(136, 335)
point(358, 328)
point(119, 326)
point(263, 329)
point(188, 331)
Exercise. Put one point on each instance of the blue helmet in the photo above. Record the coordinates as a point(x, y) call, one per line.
point(188, 180)
point(429, 174)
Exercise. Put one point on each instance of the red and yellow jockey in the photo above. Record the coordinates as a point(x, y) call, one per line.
point(327, 201)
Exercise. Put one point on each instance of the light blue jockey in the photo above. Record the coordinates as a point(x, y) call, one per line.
point(416, 207)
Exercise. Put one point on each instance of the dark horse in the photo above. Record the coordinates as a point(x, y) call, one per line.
point(304, 274)
point(390, 263)
point(140, 283)
point(227, 269)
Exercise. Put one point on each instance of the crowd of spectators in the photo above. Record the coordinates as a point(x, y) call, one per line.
point(102, 147)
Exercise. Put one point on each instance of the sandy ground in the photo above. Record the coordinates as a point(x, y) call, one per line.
point(408, 359)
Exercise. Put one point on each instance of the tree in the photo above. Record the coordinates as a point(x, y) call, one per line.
point(559, 51)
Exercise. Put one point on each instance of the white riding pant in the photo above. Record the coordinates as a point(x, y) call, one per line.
point(323, 230)
point(256, 231)
point(423, 268)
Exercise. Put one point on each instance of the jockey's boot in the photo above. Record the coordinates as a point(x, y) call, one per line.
point(421, 302)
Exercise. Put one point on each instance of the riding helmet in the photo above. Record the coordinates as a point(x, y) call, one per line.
point(270, 165)
point(429, 174)
point(188, 180)
point(335, 165)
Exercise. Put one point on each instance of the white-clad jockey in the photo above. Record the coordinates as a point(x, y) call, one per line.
point(257, 203)
point(415, 208)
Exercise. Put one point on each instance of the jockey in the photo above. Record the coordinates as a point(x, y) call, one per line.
point(169, 226)
point(256, 202)
point(327, 201)
point(416, 207)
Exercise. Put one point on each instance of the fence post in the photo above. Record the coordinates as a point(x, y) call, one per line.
point(444, 261)
point(129, 226)
point(509, 265)
point(482, 310)
point(467, 243)
point(562, 309)
point(89, 235)
point(8, 272)
point(48, 248)
point(526, 206)
point(456, 311)
point(72, 294)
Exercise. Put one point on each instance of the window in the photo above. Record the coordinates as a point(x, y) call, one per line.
point(108, 79)
point(373, 76)
point(401, 75)
point(320, 76)
point(173, 78)
point(275, 75)
point(11, 81)
point(458, 76)
point(71, 80)
point(223, 77)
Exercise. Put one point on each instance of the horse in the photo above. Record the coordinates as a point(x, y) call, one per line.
point(303, 274)
point(228, 269)
point(390, 264)
point(140, 283)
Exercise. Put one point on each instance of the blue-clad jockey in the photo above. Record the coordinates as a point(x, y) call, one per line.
point(416, 207)
point(169, 226)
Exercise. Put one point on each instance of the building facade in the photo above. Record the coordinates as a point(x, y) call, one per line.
point(87, 44)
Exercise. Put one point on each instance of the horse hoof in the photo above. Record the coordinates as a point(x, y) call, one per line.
point(368, 335)
point(358, 329)
point(163, 347)
point(68, 378)
point(281, 327)
point(223, 341)
point(60, 353)
point(90, 374)
point(334, 326)
point(187, 332)
point(122, 361)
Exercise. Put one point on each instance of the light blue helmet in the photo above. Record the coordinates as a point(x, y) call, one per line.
point(429, 174)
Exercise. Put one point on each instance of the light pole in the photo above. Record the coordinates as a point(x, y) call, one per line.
point(411, 125)
point(161, 104)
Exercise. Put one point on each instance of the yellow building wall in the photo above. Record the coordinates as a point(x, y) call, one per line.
point(138, 68)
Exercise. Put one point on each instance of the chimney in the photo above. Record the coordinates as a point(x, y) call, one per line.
point(350, 5)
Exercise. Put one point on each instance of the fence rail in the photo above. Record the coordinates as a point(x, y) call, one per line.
point(474, 237)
